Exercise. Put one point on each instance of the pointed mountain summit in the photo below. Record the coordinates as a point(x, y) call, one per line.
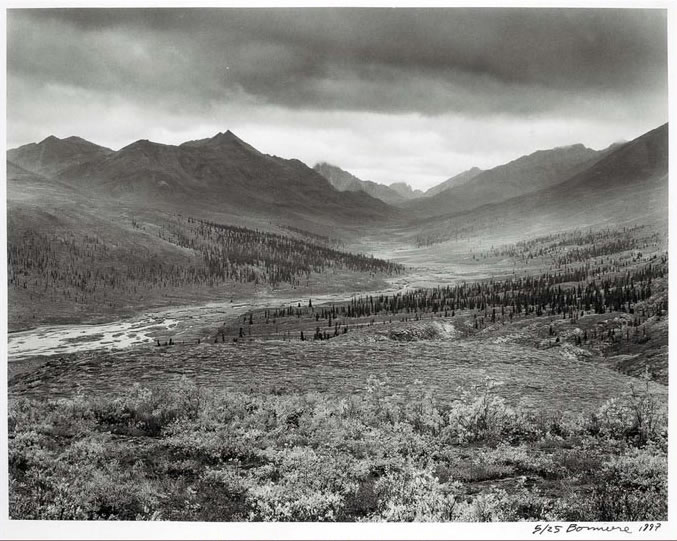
point(221, 139)
point(225, 138)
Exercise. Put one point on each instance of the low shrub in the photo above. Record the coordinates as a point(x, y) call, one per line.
point(185, 454)
point(149, 411)
point(481, 415)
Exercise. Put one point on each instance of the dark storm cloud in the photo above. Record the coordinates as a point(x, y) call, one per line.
point(413, 95)
point(428, 61)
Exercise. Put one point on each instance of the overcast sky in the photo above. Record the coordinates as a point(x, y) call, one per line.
point(414, 95)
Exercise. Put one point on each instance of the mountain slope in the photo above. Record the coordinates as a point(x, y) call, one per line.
point(456, 180)
point(406, 191)
point(339, 179)
point(221, 172)
point(52, 155)
point(527, 174)
point(628, 185)
point(345, 181)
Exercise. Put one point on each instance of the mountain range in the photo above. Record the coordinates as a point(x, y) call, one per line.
point(527, 174)
point(221, 171)
point(224, 174)
point(52, 155)
point(627, 184)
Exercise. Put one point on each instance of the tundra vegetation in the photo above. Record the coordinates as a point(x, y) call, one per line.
point(544, 399)
point(185, 453)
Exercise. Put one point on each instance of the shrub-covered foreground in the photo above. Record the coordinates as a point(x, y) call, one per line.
point(185, 454)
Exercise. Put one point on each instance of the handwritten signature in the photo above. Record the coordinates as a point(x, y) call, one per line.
point(574, 527)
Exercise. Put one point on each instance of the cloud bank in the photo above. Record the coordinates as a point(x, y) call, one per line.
point(412, 95)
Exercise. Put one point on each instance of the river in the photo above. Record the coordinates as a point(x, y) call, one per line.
point(190, 322)
point(180, 323)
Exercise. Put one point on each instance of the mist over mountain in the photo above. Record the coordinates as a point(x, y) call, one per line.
point(344, 181)
point(405, 190)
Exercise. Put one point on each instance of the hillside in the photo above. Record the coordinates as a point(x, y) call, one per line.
point(629, 185)
point(53, 155)
point(221, 172)
point(406, 191)
point(456, 180)
point(527, 174)
point(345, 181)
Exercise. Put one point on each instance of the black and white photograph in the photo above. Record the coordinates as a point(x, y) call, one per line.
point(276, 267)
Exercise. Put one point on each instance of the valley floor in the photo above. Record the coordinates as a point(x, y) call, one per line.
point(410, 420)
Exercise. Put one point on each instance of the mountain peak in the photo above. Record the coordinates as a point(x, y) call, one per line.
point(576, 146)
point(225, 137)
point(53, 155)
point(50, 139)
point(76, 139)
point(138, 143)
point(405, 190)
point(144, 145)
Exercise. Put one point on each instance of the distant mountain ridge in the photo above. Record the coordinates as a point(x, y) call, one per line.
point(52, 155)
point(527, 174)
point(405, 190)
point(628, 183)
point(225, 173)
point(342, 180)
point(221, 170)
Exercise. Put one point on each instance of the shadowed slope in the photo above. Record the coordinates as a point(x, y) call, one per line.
point(222, 171)
point(456, 180)
point(52, 155)
point(628, 185)
point(527, 174)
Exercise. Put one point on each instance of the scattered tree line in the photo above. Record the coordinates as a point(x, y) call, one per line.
point(251, 255)
point(579, 247)
point(80, 268)
point(314, 237)
point(566, 294)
